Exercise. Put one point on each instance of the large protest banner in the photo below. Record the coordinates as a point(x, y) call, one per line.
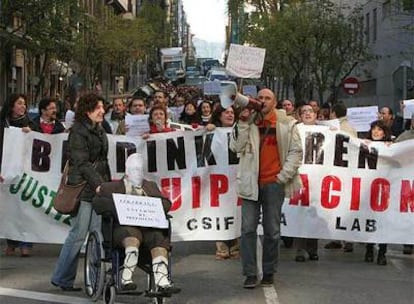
point(198, 181)
point(353, 190)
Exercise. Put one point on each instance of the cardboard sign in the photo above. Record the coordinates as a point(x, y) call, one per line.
point(245, 61)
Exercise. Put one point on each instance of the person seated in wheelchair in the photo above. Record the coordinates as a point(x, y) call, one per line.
point(132, 237)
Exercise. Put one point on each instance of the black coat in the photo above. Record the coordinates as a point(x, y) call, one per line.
point(88, 161)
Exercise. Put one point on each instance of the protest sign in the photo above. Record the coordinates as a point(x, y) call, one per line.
point(360, 118)
point(245, 61)
point(143, 211)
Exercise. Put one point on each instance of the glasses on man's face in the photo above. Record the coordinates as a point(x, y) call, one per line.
point(306, 111)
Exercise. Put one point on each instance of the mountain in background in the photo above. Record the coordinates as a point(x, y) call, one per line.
point(209, 49)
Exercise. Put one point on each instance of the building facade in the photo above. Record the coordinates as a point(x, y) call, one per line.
point(389, 33)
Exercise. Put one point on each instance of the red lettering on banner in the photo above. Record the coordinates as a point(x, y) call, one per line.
point(407, 196)
point(380, 194)
point(330, 183)
point(356, 193)
point(219, 184)
point(196, 185)
point(171, 188)
point(303, 195)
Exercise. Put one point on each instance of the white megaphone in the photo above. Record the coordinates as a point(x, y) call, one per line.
point(230, 97)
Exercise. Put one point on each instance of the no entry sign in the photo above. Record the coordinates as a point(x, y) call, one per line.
point(351, 85)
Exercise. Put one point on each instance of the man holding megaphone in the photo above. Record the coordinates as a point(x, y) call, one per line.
point(270, 151)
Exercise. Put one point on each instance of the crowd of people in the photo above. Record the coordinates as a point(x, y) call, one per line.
point(267, 142)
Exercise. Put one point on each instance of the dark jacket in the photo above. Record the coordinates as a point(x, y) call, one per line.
point(57, 128)
point(88, 148)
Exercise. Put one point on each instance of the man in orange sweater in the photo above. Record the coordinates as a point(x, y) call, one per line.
point(270, 153)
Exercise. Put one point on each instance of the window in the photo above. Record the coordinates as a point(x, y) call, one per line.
point(367, 28)
point(374, 25)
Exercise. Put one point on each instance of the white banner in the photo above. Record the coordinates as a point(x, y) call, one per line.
point(245, 61)
point(354, 190)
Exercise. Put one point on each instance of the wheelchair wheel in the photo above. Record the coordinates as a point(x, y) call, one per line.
point(94, 270)
point(109, 294)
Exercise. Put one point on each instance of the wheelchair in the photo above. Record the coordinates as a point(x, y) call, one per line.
point(103, 264)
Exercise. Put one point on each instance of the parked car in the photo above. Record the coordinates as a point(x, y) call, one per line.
point(192, 71)
point(217, 74)
point(208, 64)
point(197, 81)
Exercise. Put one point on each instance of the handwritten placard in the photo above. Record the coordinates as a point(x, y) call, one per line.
point(361, 117)
point(212, 88)
point(250, 90)
point(137, 125)
point(245, 61)
point(143, 211)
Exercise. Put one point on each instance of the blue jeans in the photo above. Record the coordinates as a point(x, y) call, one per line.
point(271, 197)
point(67, 264)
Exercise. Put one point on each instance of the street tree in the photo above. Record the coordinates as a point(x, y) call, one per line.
point(310, 45)
point(46, 29)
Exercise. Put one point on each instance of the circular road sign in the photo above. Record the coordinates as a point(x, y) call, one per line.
point(351, 85)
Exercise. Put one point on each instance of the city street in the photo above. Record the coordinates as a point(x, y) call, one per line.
point(338, 277)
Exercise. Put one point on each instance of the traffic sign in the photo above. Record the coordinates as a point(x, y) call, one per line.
point(351, 85)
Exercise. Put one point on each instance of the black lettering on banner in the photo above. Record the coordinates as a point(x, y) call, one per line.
point(314, 153)
point(233, 159)
point(203, 150)
point(207, 223)
point(123, 150)
point(40, 155)
point(176, 153)
point(356, 225)
point(152, 156)
point(228, 220)
point(283, 219)
point(192, 224)
point(370, 225)
point(366, 156)
point(338, 224)
point(340, 150)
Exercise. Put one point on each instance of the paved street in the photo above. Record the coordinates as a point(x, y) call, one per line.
point(340, 278)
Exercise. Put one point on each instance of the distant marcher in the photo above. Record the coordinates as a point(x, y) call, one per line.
point(204, 110)
point(379, 131)
point(137, 106)
point(394, 122)
point(47, 121)
point(338, 111)
point(222, 117)
point(189, 114)
point(14, 114)
point(288, 106)
point(306, 245)
point(116, 117)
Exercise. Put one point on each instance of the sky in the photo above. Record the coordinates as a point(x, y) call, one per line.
point(207, 18)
